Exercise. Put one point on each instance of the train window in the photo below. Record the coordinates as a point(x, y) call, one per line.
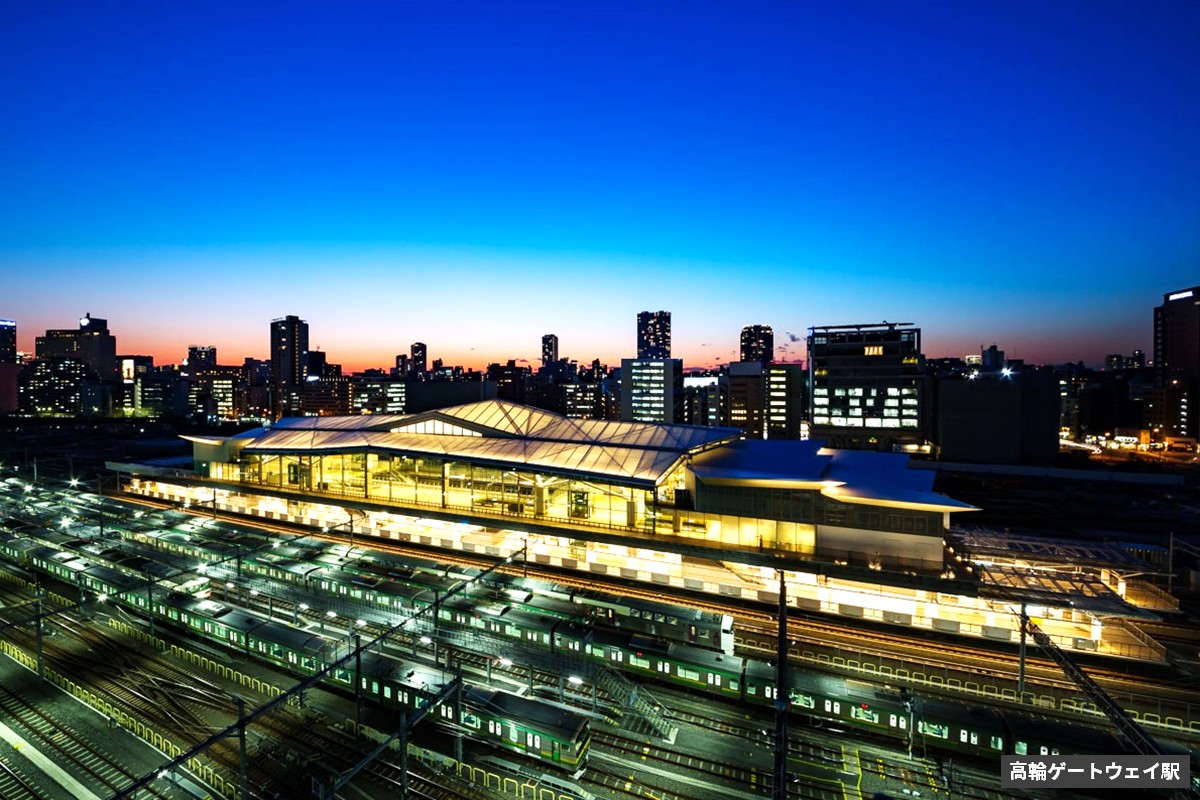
point(997, 743)
point(1020, 748)
point(690, 674)
point(903, 723)
point(537, 742)
point(892, 720)
point(374, 686)
point(962, 736)
point(864, 714)
point(803, 700)
point(974, 738)
point(834, 707)
point(643, 663)
point(387, 692)
point(733, 684)
point(934, 729)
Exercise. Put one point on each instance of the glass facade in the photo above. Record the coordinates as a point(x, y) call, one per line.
point(488, 491)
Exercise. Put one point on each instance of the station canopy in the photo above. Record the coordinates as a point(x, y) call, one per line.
point(504, 434)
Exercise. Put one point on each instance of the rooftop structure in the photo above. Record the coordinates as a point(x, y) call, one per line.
point(500, 463)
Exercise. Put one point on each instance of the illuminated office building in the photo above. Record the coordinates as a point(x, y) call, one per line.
point(654, 335)
point(289, 363)
point(418, 360)
point(867, 387)
point(758, 344)
point(201, 358)
point(8, 341)
point(785, 401)
point(90, 343)
point(651, 389)
point(746, 397)
point(549, 349)
point(61, 387)
point(1177, 360)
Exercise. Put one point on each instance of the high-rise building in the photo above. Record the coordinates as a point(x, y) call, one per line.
point(289, 350)
point(61, 387)
point(201, 358)
point(8, 341)
point(1177, 359)
point(418, 359)
point(867, 386)
point(746, 405)
point(651, 389)
point(758, 344)
point(654, 335)
point(549, 349)
point(289, 363)
point(90, 344)
point(785, 401)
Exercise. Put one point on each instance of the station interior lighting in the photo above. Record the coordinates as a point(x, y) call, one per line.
point(362, 623)
point(575, 680)
point(506, 662)
point(103, 598)
point(426, 640)
point(331, 614)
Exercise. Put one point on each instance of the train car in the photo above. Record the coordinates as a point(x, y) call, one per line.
point(927, 721)
point(677, 623)
point(681, 664)
point(1041, 736)
point(540, 730)
point(537, 729)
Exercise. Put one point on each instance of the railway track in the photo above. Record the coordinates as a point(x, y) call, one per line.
point(85, 762)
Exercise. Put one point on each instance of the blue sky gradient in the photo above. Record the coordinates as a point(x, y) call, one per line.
point(474, 175)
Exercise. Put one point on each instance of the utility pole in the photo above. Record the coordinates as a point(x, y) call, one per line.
point(783, 697)
point(241, 704)
point(1021, 667)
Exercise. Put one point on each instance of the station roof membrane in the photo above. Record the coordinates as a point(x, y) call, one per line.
point(500, 432)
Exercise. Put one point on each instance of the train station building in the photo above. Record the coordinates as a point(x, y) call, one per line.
point(859, 534)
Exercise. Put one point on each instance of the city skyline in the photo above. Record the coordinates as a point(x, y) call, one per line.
point(1020, 174)
point(789, 348)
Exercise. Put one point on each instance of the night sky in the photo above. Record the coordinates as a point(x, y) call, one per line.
point(476, 175)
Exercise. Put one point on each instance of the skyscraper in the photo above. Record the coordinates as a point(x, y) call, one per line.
point(1177, 359)
point(90, 344)
point(654, 335)
point(651, 389)
point(758, 344)
point(549, 349)
point(418, 358)
point(289, 363)
point(201, 358)
point(867, 386)
point(8, 341)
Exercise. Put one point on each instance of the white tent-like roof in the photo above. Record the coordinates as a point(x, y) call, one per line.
point(499, 432)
